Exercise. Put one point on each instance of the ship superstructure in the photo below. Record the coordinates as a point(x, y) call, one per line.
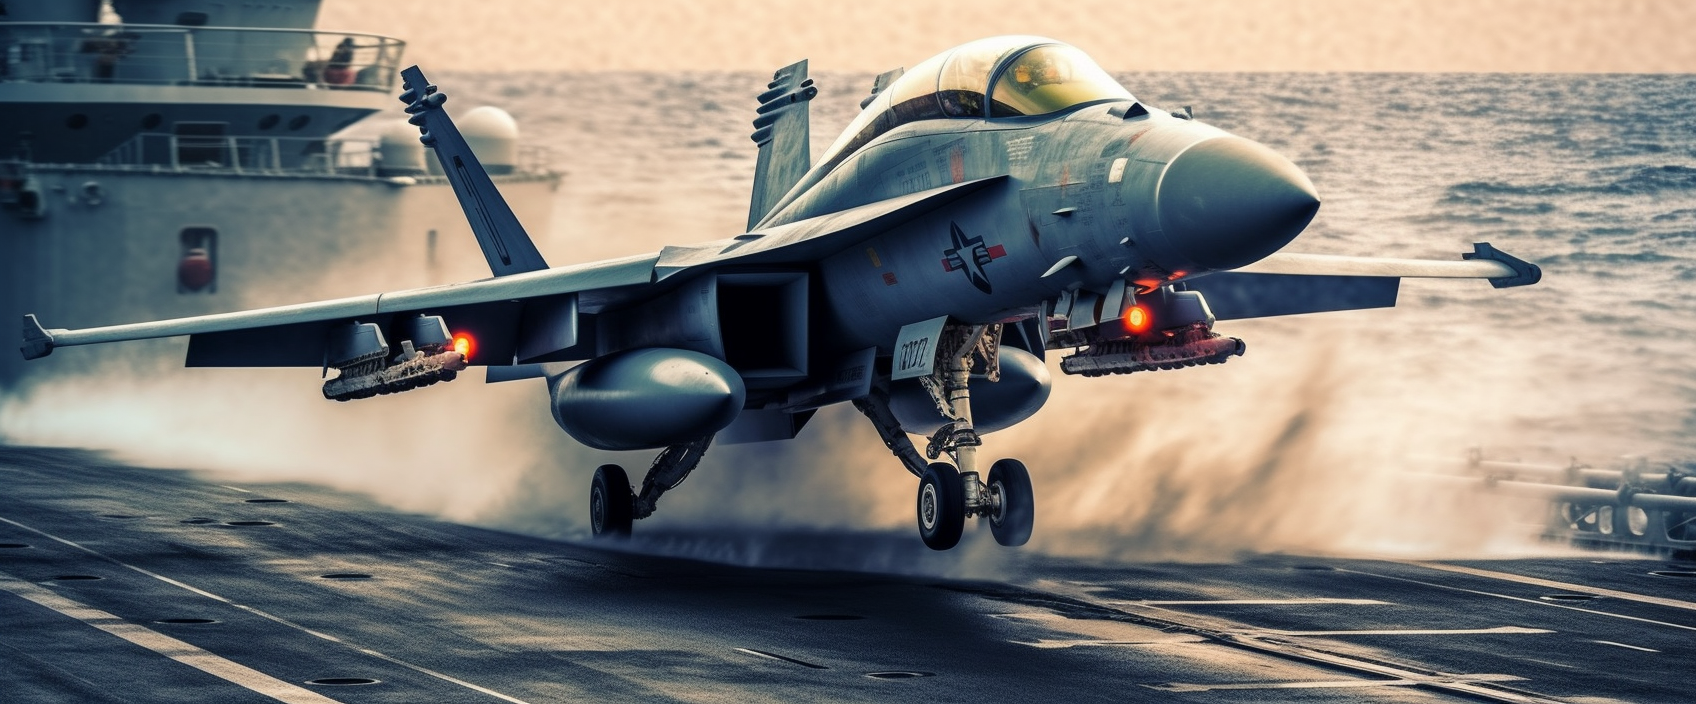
point(178, 157)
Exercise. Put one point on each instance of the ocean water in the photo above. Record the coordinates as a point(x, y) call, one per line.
point(1303, 445)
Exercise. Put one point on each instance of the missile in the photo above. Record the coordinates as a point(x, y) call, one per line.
point(360, 355)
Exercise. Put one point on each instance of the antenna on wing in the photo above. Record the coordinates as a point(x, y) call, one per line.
point(505, 244)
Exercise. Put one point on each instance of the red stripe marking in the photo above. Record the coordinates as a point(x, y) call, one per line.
point(997, 252)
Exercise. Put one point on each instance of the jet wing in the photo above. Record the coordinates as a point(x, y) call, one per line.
point(1292, 284)
point(508, 316)
point(1484, 262)
point(294, 335)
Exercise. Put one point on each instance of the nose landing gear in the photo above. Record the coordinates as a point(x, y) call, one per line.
point(948, 496)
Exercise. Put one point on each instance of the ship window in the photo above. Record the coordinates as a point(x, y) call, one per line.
point(1049, 79)
point(197, 260)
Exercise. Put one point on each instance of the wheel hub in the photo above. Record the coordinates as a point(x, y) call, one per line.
point(927, 507)
point(997, 496)
point(597, 511)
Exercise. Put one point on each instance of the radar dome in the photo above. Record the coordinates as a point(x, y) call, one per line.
point(493, 137)
point(400, 150)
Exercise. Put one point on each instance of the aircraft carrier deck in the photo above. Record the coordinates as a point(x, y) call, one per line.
point(120, 584)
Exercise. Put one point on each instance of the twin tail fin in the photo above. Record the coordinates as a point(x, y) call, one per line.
point(505, 243)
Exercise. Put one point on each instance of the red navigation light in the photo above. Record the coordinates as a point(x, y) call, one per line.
point(464, 344)
point(1137, 320)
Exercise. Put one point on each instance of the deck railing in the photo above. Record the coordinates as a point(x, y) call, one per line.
point(281, 155)
point(173, 55)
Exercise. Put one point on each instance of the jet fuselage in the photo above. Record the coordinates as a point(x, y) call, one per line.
point(1132, 193)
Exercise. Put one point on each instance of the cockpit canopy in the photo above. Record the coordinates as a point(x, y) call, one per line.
point(1020, 76)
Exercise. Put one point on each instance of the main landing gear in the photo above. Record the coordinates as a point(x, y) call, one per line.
point(613, 506)
point(948, 496)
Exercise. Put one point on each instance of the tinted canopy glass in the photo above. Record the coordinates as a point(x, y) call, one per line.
point(1048, 79)
point(1032, 76)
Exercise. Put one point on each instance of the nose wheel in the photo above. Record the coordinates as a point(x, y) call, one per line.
point(942, 506)
point(1012, 506)
point(951, 493)
point(946, 501)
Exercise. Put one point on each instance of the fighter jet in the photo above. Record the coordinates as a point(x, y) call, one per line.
point(1001, 200)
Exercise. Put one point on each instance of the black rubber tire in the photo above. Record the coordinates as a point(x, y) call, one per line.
point(941, 506)
point(1012, 523)
point(610, 502)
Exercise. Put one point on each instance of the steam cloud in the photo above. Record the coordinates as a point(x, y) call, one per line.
point(1299, 447)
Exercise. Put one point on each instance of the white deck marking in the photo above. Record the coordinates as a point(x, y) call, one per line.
point(1334, 684)
point(1052, 644)
point(1538, 602)
point(1246, 602)
point(1622, 645)
point(235, 488)
point(1324, 684)
point(1409, 632)
point(1534, 581)
point(277, 619)
point(205, 661)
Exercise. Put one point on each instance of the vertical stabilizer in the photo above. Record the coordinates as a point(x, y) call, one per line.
point(881, 82)
point(781, 130)
point(505, 244)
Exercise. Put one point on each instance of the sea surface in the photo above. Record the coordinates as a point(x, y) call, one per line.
point(1305, 444)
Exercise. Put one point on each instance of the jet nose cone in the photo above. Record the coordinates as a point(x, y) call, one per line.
point(1229, 202)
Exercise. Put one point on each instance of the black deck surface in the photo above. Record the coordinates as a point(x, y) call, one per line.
point(438, 612)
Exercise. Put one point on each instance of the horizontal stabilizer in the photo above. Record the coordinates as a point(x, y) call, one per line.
point(505, 244)
point(1484, 262)
point(1234, 295)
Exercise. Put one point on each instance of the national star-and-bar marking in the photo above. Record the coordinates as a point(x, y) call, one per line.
point(981, 254)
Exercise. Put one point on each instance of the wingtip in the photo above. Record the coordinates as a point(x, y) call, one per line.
point(1525, 273)
point(38, 341)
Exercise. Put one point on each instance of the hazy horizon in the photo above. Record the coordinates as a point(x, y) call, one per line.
point(1531, 36)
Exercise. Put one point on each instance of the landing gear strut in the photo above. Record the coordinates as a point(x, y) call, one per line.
point(613, 506)
point(948, 496)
